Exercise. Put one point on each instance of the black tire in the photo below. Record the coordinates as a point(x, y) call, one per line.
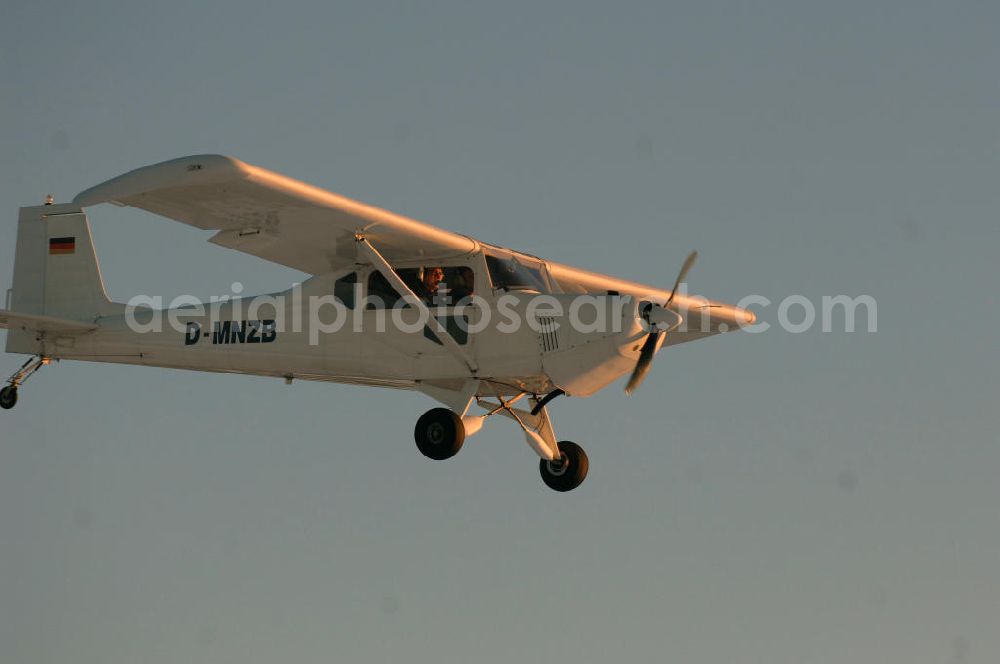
point(439, 434)
point(570, 473)
point(8, 397)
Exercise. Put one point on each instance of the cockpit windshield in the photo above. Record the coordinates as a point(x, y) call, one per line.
point(510, 273)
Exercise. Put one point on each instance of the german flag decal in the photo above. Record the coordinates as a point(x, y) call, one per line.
point(62, 245)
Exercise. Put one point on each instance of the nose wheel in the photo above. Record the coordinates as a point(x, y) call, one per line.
point(569, 471)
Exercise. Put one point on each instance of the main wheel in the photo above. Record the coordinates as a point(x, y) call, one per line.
point(567, 473)
point(439, 434)
point(8, 397)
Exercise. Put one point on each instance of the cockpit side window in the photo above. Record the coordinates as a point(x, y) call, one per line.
point(456, 284)
point(381, 294)
point(343, 289)
point(460, 283)
point(508, 273)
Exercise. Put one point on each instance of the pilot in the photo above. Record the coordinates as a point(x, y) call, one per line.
point(430, 281)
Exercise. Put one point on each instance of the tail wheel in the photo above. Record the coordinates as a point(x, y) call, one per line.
point(567, 473)
point(8, 397)
point(439, 434)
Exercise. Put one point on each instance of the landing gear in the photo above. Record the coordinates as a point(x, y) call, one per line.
point(567, 473)
point(8, 397)
point(439, 434)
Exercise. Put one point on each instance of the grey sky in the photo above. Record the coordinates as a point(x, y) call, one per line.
point(772, 498)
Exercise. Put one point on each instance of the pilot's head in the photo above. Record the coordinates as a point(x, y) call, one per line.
point(433, 276)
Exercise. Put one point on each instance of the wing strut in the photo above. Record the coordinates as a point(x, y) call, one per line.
point(382, 265)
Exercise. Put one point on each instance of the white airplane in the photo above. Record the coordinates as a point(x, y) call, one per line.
point(562, 330)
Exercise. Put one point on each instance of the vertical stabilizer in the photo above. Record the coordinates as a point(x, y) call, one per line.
point(56, 271)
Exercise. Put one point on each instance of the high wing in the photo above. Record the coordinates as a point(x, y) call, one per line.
point(271, 216)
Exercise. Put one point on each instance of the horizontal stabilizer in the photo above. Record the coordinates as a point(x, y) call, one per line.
point(12, 320)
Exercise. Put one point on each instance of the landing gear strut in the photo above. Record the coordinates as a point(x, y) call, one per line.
point(8, 395)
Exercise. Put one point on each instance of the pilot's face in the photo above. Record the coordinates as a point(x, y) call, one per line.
point(433, 277)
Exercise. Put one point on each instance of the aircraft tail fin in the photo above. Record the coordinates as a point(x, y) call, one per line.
point(56, 273)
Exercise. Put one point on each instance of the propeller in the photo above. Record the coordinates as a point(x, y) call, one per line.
point(654, 338)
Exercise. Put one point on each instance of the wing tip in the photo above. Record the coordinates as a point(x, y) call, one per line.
point(192, 169)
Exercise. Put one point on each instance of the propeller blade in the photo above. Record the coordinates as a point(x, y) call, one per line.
point(644, 363)
point(649, 347)
point(688, 264)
